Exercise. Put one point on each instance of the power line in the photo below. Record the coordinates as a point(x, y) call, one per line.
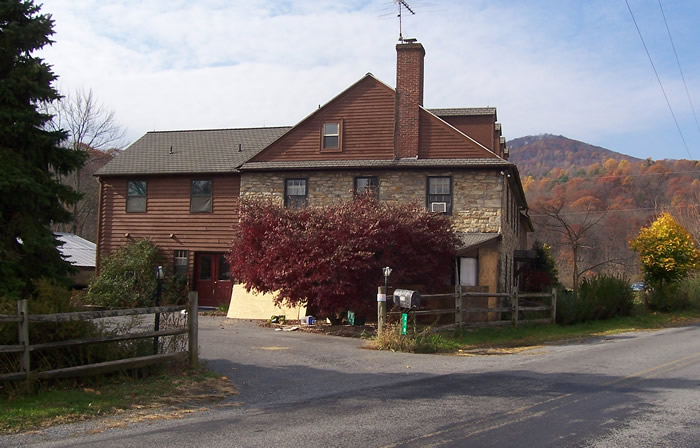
point(613, 176)
point(619, 210)
point(658, 78)
point(692, 107)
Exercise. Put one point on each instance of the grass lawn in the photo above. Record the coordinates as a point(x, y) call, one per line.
point(65, 402)
point(478, 340)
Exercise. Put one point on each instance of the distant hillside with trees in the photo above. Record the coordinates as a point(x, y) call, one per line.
point(587, 202)
point(536, 155)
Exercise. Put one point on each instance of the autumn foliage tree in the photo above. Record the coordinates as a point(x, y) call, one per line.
point(330, 258)
point(667, 251)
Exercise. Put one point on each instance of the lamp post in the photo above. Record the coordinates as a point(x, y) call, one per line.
point(160, 274)
point(387, 273)
point(381, 301)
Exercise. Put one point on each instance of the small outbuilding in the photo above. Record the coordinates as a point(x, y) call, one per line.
point(82, 254)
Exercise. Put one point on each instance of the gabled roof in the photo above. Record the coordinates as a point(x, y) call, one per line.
point(76, 250)
point(478, 146)
point(196, 151)
point(273, 146)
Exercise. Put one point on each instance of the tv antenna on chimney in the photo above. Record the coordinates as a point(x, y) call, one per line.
point(402, 4)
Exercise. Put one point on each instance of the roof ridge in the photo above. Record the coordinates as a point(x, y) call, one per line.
point(218, 129)
point(456, 109)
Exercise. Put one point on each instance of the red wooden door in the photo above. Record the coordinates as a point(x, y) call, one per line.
point(213, 277)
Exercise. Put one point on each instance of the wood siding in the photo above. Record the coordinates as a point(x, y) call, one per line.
point(168, 212)
point(367, 114)
point(438, 141)
point(479, 127)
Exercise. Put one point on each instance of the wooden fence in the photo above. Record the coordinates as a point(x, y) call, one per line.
point(23, 318)
point(490, 312)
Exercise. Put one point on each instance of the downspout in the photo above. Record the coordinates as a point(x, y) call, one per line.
point(99, 227)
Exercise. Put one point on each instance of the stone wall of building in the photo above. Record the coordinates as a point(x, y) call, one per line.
point(480, 202)
point(476, 194)
point(510, 229)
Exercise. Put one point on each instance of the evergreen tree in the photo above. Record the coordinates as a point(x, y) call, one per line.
point(31, 158)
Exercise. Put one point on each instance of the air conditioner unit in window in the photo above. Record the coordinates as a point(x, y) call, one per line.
point(438, 207)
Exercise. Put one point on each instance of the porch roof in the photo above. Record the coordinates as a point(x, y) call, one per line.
point(475, 240)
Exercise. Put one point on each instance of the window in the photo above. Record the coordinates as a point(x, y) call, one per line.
point(224, 268)
point(181, 263)
point(205, 267)
point(294, 193)
point(200, 197)
point(330, 136)
point(440, 194)
point(468, 271)
point(136, 196)
point(367, 184)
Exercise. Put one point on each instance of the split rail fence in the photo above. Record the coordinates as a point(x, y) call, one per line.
point(491, 309)
point(24, 348)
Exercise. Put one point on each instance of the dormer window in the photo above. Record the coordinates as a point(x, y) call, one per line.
point(330, 136)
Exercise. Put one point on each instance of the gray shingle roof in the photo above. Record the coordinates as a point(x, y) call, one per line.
point(451, 112)
point(76, 250)
point(400, 163)
point(474, 240)
point(200, 151)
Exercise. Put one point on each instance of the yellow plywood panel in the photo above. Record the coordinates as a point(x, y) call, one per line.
point(253, 305)
point(488, 268)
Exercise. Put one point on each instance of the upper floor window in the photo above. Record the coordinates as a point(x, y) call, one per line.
point(136, 196)
point(367, 184)
point(200, 196)
point(294, 193)
point(439, 194)
point(330, 136)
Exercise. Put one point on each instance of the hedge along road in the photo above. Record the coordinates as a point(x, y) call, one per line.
point(634, 389)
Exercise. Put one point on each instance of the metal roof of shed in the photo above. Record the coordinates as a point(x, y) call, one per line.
point(76, 250)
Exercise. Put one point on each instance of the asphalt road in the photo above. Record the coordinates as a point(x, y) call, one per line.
point(306, 390)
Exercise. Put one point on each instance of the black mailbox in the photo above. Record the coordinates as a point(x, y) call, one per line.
point(406, 298)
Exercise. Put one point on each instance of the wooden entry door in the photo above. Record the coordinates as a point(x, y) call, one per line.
point(213, 277)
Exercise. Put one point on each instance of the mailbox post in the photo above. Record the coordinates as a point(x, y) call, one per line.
point(407, 300)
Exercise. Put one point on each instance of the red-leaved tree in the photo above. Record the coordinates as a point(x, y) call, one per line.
point(331, 258)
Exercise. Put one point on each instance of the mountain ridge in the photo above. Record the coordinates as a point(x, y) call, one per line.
point(537, 155)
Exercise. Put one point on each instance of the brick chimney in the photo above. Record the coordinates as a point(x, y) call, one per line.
point(409, 96)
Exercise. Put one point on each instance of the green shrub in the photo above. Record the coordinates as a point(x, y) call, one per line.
point(689, 288)
point(572, 309)
point(127, 279)
point(608, 295)
point(599, 297)
point(675, 296)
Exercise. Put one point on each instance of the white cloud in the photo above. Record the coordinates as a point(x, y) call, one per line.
point(576, 70)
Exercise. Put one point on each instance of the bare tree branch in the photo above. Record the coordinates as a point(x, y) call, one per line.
point(90, 127)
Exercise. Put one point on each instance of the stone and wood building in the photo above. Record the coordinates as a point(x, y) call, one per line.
point(181, 189)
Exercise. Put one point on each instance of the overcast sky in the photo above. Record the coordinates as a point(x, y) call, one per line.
point(570, 67)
